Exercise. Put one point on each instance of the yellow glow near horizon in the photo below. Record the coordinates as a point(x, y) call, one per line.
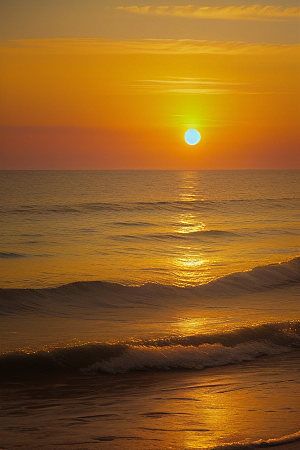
point(91, 83)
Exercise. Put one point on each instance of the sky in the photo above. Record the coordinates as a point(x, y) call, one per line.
point(115, 84)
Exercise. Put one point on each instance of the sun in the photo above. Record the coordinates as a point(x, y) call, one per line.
point(192, 136)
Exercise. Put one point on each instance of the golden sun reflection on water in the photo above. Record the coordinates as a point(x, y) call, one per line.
point(189, 189)
point(190, 268)
point(192, 325)
point(188, 223)
point(201, 322)
point(211, 416)
point(190, 261)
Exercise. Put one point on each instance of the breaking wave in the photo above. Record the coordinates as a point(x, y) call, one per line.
point(178, 352)
point(261, 443)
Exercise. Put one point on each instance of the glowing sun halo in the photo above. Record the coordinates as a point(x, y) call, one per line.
point(192, 136)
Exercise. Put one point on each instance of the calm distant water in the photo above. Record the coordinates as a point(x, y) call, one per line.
point(132, 227)
point(149, 310)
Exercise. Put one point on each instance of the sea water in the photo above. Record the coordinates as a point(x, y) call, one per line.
point(149, 309)
point(133, 227)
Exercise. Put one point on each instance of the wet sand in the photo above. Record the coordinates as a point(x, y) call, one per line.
point(291, 446)
point(156, 410)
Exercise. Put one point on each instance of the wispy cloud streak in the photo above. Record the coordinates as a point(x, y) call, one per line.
point(184, 85)
point(252, 12)
point(140, 46)
point(196, 86)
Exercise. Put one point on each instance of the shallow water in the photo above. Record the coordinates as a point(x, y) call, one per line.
point(155, 410)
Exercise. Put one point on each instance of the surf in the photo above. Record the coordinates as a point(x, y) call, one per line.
point(195, 352)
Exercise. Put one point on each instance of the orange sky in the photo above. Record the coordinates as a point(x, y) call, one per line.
point(87, 98)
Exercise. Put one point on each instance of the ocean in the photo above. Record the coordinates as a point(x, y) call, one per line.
point(149, 310)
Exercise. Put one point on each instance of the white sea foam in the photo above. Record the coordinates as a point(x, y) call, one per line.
point(165, 353)
point(185, 357)
point(261, 443)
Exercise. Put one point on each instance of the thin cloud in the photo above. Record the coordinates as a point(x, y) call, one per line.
point(252, 12)
point(140, 46)
point(184, 85)
point(191, 81)
point(196, 86)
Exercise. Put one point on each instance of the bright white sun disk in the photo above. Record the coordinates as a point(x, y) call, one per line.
point(192, 136)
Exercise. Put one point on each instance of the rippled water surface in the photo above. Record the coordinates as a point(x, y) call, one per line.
point(132, 227)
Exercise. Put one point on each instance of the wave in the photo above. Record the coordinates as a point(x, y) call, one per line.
point(181, 357)
point(9, 255)
point(200, 234)
point(216, 233)
point(172, 205)
point(178, 352)
point(32, 235)
point(12, 255)
point(261, 443)
point(200, 351)
point(134, 224)
point(109, 206)
point(260, 278)
point(114, 295)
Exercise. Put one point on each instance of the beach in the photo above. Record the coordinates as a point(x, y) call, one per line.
point(179, 410)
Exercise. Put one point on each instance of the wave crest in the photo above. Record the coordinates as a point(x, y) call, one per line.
point(261, 443)
point(113, 295)
point(182, 357)
point(181, 352)
point(260, 278)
